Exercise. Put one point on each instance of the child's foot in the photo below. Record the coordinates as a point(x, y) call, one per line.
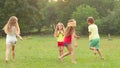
point(74, 62)
point(61, 59)
point(95, 53)
point(6, 61)
point(102, 58)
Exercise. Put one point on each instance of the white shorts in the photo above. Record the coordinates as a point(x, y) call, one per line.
point(11, 40)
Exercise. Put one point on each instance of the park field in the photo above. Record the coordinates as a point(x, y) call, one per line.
point(42, 52)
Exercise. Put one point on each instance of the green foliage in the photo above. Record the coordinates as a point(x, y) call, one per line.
point(81, 14)
point(37, 14)
point(49, 13)
point(111, 22)
point(102, 6)
point(25, 10)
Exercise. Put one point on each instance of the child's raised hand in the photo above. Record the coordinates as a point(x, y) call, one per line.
point(61, 32)
point(78, 37)
point(21, 38)
point(75, 44)
point(58, 32)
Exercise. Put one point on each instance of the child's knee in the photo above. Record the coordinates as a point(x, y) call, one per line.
point(97, 49)
point(91, 48)
point(60, 50)
point(71, 52)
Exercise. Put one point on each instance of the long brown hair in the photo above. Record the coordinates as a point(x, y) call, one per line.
point(69, 31)
point(13, 21)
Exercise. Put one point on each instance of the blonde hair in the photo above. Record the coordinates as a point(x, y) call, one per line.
point(57, 28)
point(13, 21)
point(71, 22)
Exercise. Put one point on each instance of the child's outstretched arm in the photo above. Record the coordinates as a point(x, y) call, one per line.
point(18, 35)
point(76, 36)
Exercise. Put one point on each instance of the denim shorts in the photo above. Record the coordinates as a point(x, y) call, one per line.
point(67, 44)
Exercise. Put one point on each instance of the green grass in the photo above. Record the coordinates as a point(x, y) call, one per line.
point(42, 52)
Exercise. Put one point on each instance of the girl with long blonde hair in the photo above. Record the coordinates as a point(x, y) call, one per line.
point(12, 30)
point(68, 38)
point(59, 34)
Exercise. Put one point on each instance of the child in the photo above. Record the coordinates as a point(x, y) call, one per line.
point(94, 36)
point(12, 30)
point(69, 34)
point(59, 34)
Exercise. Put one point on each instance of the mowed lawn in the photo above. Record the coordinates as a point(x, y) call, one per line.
point(42, 52)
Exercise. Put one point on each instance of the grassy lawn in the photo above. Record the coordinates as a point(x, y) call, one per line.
point(42, 52)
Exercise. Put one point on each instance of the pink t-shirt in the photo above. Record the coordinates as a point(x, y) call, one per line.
point(68, 39)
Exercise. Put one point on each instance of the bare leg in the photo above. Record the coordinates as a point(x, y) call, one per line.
point(100, 54)
point(94, 50)
point(13, 52)
point(64, 54)
point(73, 57)
point(7, 53)
point(70, 51)
point(61, 50)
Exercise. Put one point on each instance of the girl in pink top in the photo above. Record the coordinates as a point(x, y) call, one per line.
point(69, 34)
point(68, 39)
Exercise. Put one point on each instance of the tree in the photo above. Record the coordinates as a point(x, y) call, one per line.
point(103, 7)
point(112, 21)
point(49, 13)
point(66, 8)
point(27, 12)
point(39, 15)
point(81, 14)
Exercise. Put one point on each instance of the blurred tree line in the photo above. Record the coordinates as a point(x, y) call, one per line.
point(41, 16)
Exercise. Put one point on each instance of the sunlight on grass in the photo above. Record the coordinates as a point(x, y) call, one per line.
point(42, 52)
